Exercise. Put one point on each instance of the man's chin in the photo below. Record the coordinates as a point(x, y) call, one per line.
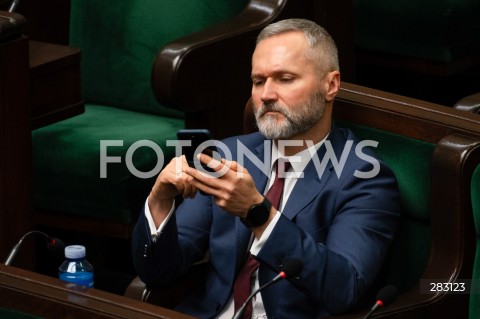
point(273, 134)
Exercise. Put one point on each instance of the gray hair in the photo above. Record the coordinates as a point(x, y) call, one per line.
point(323, 51)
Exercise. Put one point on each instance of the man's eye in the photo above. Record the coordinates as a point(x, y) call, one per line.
point(258, 82)
point(286, 80)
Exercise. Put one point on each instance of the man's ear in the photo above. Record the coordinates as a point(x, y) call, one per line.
point(332, 85)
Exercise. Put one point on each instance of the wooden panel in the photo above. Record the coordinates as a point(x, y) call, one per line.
point(48, 297)
point(15, 143)
point(402, 115)
point(55, 89)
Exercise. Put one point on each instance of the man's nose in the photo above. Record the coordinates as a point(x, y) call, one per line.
point(269, 92)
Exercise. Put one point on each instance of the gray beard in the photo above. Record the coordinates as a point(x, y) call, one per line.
point(306, 114)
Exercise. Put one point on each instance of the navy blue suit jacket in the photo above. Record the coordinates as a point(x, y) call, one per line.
point(339, 225)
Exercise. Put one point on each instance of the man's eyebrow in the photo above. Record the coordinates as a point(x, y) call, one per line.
point(274, 74)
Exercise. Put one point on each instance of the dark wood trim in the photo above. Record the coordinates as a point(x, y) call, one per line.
point(49, 297)
point(55, 83)
point(15, 142)
point(402, 115)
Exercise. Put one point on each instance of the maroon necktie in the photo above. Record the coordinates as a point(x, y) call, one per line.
point(274, 194)
point(243, 284)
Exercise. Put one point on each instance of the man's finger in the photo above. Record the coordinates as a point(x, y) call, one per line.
point(217, 166)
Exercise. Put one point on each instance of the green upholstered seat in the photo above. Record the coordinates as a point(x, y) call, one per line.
point(67, 162)
point(474, 311)
point(441, 31)
point(410, 161)
point(119, 41)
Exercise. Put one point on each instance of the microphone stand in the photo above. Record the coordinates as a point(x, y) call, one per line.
point(241, 310)
point(13, 5)
point(16, 248)
point(291, 268)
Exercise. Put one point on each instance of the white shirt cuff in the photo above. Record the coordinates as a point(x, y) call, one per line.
point(155, 232)
point(258, 243)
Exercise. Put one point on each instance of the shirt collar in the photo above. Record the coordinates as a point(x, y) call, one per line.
point(298, 161)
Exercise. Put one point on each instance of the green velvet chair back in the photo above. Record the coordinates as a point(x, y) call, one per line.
point(410, 161)
point(120, 39)
point(474, 310)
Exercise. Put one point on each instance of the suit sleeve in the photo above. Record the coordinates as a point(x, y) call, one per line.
point(343, 255)
point(162, 261)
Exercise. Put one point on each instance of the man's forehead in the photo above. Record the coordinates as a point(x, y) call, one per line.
point(279, 59)
point(294, 36)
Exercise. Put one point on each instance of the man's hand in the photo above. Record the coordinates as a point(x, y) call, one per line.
point(231, 186)
point(171, 181)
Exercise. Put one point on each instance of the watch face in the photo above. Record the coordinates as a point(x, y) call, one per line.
point(258, 215)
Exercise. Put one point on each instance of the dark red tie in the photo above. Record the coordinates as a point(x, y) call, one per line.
point(243, 283)
point(274, 194)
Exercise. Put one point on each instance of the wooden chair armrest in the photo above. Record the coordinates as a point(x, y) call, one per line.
point(191, 71)
point(168, 296)
point(469, 103)
point(137, 290)
point(11, 25)
point(163, 296)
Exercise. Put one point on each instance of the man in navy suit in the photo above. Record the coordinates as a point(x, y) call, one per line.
point(339, 209)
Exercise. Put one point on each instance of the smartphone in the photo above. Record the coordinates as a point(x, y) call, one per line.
point(196, 138)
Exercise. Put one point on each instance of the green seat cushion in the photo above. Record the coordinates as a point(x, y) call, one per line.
point(119, 40)
point(474, 311)
point(435, 30)
point(410, 161)
point(67, 162)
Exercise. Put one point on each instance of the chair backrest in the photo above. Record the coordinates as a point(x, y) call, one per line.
point(470, 103)
point(410, 161)
point(120, 39)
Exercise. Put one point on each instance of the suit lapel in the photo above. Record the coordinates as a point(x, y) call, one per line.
point(307, 188)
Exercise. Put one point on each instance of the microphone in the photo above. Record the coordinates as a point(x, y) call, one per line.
point(13, 5)
point(54, 245)
point(291, 269)
point(384, 297)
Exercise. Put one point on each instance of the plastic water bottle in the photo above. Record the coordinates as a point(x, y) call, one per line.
point(76, 268)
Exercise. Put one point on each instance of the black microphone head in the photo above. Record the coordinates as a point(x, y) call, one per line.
point(56, 247)
point(387, 295)
point(292, 268)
